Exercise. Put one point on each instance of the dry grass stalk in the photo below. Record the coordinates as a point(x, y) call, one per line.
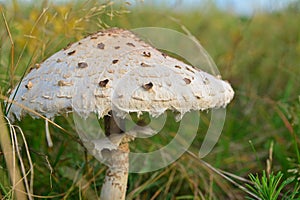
point(18, 188)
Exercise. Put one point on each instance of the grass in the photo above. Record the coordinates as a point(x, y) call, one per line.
point(259, 55)
point(270, 186)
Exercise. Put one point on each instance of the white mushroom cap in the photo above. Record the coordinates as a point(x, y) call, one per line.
point(115, 70)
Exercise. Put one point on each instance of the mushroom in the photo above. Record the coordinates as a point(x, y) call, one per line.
point(113, 73)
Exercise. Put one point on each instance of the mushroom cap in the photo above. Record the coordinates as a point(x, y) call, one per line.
point(116, 70)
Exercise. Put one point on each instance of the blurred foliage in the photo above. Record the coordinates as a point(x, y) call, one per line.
point(258, 54)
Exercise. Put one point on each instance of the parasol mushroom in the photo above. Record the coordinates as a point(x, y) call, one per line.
point(113, 73)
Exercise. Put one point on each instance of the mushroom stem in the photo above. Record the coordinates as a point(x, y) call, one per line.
point(115, 183)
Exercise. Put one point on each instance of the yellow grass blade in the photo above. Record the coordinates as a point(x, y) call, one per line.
point(9, 153)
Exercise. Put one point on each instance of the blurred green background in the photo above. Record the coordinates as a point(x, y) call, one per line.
point(258, 54)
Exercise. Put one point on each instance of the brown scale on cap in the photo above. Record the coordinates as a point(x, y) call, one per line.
point(101, 45)
point(206, 81)
point(36, 66)
point(29, 85)
point(147, 54)
point(195, 68)
point(82, 65)
point(64, 83)
point(111, 71)
point(71, 52)
point(130, 44)
point(164, 55)
point(187, 80)
point(103, 83)
point(148, 86)
point(145, 65)
point(115, 61)
point(189, 69)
